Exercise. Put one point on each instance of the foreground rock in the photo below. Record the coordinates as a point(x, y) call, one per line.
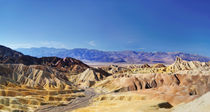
point(25, 88)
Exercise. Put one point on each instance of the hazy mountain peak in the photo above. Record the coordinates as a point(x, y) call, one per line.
point(127, 56)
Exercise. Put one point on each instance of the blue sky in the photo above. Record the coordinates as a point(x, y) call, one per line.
point(143, 25)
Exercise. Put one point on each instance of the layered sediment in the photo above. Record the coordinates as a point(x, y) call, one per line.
point(25, 88)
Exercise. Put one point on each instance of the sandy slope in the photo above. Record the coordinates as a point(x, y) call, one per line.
point(125, 102)
point(201, 104)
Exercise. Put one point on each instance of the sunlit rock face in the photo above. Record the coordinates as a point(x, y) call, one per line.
point(35, 76)
point(89, 77)
point(182, 65)
point(25, 88)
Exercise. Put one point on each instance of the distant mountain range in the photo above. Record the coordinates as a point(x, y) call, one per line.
point(91, 55)
point(9, 56)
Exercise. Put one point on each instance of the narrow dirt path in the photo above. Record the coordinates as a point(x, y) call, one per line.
point(75, 103)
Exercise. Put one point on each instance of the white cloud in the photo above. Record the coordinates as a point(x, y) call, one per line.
point(36, 44)
point(92, 43)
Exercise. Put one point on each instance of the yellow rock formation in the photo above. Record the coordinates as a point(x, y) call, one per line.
point(25, 88)
point(28, 99)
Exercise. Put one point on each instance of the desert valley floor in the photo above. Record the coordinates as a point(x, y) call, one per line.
point(52, 84)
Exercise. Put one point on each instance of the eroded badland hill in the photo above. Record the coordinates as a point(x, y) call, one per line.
point(52, 84)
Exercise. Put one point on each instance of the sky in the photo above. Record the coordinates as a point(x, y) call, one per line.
point(142, 25)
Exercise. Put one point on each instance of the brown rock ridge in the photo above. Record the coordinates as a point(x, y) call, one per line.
point(145, 66)
point(6, 53)
point(158, 65)
point(9, 56)
point(65, 65)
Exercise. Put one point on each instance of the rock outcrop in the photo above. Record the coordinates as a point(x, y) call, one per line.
point(182, 65)
point(89, 77)
point(145, 66)
point(112, 69)
point(158, 65)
